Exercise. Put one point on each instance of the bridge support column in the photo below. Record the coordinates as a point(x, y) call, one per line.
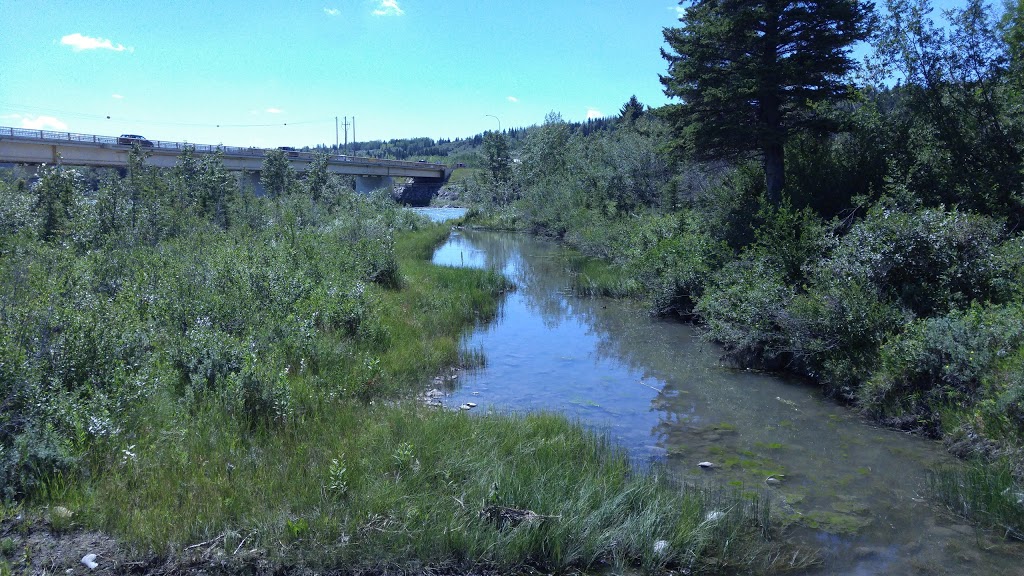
point(251, 180)
point(367, 184)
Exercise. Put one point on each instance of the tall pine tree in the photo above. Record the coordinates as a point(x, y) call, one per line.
point(750, 72)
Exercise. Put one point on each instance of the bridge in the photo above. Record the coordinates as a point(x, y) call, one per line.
point(33, 147)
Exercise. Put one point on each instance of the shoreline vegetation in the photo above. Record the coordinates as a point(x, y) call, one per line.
point(872, 245)
point(196, 379)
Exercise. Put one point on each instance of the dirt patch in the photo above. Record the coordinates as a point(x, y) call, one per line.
point(37, 546)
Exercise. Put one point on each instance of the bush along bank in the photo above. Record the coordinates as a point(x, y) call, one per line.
point(912, 315)
point(893, 300)
point(197, 379)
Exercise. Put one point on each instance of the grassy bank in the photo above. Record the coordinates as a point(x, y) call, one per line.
point(233, 387)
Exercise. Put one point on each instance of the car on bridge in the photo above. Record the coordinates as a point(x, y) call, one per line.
point(130, 139)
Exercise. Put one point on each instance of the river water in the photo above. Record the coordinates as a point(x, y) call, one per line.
point(856, 493)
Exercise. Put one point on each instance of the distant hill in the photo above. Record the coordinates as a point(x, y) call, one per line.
point(448, 151)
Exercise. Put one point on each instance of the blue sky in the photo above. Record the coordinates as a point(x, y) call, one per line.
point(277, 73)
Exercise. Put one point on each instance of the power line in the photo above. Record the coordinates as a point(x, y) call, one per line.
point(82, 115)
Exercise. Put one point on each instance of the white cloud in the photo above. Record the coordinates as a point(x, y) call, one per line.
point(388, 8)
point(594, 113)
point(332, 11)
point(43, 123)
point(679, 10)
point(117, 97)
point(273, 110)
point(79, 43)
point(512, 99)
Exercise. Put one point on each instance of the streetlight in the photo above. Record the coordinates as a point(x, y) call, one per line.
point(496, 118)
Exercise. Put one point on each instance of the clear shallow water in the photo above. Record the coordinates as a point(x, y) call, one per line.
point(441, 214)
point(856, 492)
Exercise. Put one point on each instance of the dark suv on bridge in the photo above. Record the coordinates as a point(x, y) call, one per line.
point(132, 139)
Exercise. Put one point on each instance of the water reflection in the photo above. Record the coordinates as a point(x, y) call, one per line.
point(854, 490)
point(440, 214)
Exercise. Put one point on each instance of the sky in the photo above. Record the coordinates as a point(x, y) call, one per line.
point(255, 73)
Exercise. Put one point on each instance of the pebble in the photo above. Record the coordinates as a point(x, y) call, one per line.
point(467, 406)
point(706, 465)
point(772, 481)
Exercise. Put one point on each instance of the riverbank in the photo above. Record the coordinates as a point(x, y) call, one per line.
point(952, 376)
point(257, 411)
point(862, 495)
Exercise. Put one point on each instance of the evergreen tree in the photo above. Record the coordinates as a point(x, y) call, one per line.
point(631, 111)
point(749, 72)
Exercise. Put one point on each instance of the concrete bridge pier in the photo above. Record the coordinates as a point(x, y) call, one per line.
point(367, 184)
point(250, 179)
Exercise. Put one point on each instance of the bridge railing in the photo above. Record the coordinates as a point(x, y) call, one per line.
point(54, 136)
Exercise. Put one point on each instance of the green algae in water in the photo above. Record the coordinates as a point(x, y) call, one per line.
point(835, 522)
point(850, 506)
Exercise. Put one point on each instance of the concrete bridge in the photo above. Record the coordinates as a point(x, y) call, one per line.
point(33, 147)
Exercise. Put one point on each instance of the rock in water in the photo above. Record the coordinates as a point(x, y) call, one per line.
point(706, 465)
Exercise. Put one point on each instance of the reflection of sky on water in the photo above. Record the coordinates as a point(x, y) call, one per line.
point(458, 252)
point(656, 389)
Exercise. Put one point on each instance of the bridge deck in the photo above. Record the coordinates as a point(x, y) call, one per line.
point(25, 146)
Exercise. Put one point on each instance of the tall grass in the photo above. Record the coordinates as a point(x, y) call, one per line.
point(384, 486)
point(242, 380)
point(985, 492)
point(360, 485)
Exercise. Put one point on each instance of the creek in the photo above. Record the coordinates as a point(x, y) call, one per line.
point(856, 493)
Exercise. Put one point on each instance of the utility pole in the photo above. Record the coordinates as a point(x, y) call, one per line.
point(353, 134)
point(335, 132)
point(346, 133)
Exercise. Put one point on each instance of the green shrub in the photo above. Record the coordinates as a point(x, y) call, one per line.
point(674, 271)
point(261, 390)
point(789, 240)
point(724, 208)
point(745, 311)
point(930, 261)
point(942, 362)
point(837, 329)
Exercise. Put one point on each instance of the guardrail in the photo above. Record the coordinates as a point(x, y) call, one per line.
point(53, 136)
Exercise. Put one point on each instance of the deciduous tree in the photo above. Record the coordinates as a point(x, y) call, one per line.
point(277, 175)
